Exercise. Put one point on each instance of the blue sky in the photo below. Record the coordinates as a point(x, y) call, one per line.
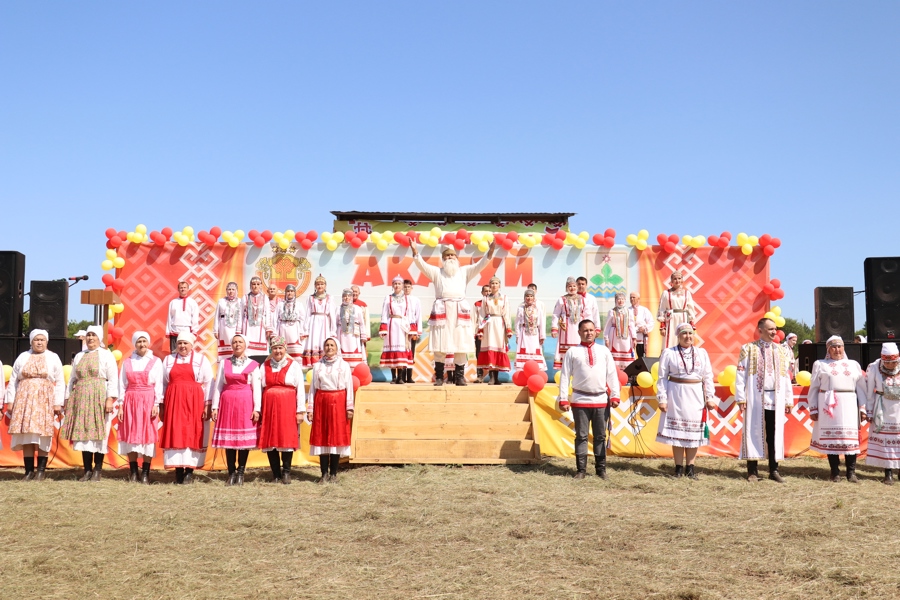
point(687, 118)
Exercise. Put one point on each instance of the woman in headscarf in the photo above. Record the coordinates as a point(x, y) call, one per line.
point(283, 408)
point(676, 306)
point(141, 386)
point(36, 391)
point(619, 334)
point(495, 333)
point(229, 319)
point(350, 330)
point(570, 310)
point(530, 326)
point(883, 411)
point(236, 402)
point(837, 404)
point(394, 332)
point(686, 395)
point(90, 401)
point(321, 322)
point(330, 410)
point(289, 319)
point(186, 378)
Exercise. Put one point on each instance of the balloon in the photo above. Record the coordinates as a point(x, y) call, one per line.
point(531, 367)
point(654, 371)
point(7, 373)
point(362, 236)
point(483, 247)
point(332, 245)
point(311, 235)
point(728, 375)
point(768, 250)
point(804, 378)
point(111, 254)
point(641, 244)
point(233, 243)
point(643, 234)
point(306, 244)
point(556, 377)
point(166, 231)
point(356, 242)
point(623, 376)
point(520, 379)
point(741, 239)
point(106, 265)
point(769, 315)
point(117, 308)
point(217, 231)
point(598, 239)
point(610, 232)
point(381, 245)
point(778, 294)
point(67, 372)
point(356, 383)
point(110, 232)
point(115, 241)
point(779, 321)
point(746, 249)
point(732, 387)
point(661, 239)
point(776, 310)
point(768, 288)
point(645, 380)
point(118, 284)
point(259, 241)
point(752, 240)
point(669, 247)
point(326, 236)
point(535, 384)
point(713, 240)
point(687, 240)
point(107, 279)
point(609, 242)
point(117, 354)
point(557, 244)
point(309, 376)
point(631, 239)
point(776, 243)
point(514, 236)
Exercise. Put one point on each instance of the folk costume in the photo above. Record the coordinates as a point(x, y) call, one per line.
point(94, 379)
point(291, 319)
point(236, 396)
point(570, 310)
point(685, 383)
point(365, 333)
point(451, 330)
point(595, 383)
point(643, 324)
point(282, 401)
point(883, 410)
point(141, 387)
point(350, 327)
point(255, 320)
point(494, 329)
point(675, 307)
point(530, 333)
point(228, 322)
point(763, 387)
point(183, 315)
point(837, 394)
point(321, 323)
point(329, 400)
point(415, 330)
point(394, 330)
point(619, 334)
point(35, 390)
point(185, 430)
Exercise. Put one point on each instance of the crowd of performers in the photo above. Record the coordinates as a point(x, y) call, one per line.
point(255, 398)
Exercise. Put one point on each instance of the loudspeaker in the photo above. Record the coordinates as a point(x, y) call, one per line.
point(640, 366)
point(882, 298)
point(9, 349)
point(810, 353)
point(834, 313)
point(49, 307)
point(12, 293)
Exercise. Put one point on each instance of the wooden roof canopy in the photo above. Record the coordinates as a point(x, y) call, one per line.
point(450, 217)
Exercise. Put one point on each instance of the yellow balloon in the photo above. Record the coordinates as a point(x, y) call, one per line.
point(375, 237)
point(142, 229)
point(188, 231)
point(129, 236)
point(570, 238)
point(332, 245)
point(631, 239)
point(436, 231)
point(338, 237)
point(382, 245)
point(489, 237)
point(746, 249)
point(432, 241)
point(106, 265)
point(643, 234)
point(117, 354)
point(769, 315)
point(645, 379)
point(727, 376)
point(654, 371)
point(7, 373)
point(118, 262)
point(326, 236)
point(804, 378)
point(239, 234)
point(732, 387)
point(388, 236)
point(67, 372)
point(483, 247)
point(556, 377)
point(110, 315)
point(137, 238)
point(289, 234)
point(584, 235)
point(779, 321)
point(741, 239)
point(233, 243)
point(477, 237)
point(117, 308)
point(776, 310)
point(111, 254)
point(309, 376)
point(183, 241)
point(687, 240)
point(752, 240)
point(641, 244)
point(579, 243)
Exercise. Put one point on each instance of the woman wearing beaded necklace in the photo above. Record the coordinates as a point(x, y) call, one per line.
point(530, 326)
point(394, 331)
point(283, 408)
point(676, 306)
point(495, 332)
point(228, 319)
point(290, 318)
point(883, 411)
point(350, 330)
point(236, 402)
point(330, 409)
point(686, 395)
point(320, 323)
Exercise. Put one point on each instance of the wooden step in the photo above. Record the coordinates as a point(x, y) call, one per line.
point(422, 430)
point(448, 393)
point(444, 451)
point(443, 412)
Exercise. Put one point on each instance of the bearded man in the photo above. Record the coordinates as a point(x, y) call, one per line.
point(451, 327)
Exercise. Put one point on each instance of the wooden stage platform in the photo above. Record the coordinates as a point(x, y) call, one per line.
point(421, 423)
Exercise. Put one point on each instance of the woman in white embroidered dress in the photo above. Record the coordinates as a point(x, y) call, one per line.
point(570, 310)
point(883, 411)
point(229, 319)
point(493, 328)
point(256, 320)
point(321, 323)
point(676, 306)
point(350, 328)
point(291, 317)
point(394, 331)
point(619, 334)
point(686, 395)
point(330, 410)
point(837, 404)
point(530, 326)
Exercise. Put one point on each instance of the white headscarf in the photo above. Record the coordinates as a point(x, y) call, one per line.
point(35, 332)
point(833, 340)
point(96, 330)
point(186, 336)
point(138, 335)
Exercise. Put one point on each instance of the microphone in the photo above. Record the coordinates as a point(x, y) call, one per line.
point(79, 278)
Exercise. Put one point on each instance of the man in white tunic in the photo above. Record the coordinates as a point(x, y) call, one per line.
point(883, 411)
point(595, 387)
point(451, 327)
point(183, 316)
point(643, 324)
point(764, 394)
point(591, 310)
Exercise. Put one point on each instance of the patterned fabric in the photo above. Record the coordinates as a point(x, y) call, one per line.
point(86, 407)
point(32, 410)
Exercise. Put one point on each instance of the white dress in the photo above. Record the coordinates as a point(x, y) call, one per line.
point(493, 321)
point(619, 335)
point(290, 317)
point(883, 408)
point(350, 326)
point(836, 393)
point(675, 308)
point(530, 334)
point(770, 390)
point(684, 422)
point(567, 314)
point(229, 320)
point(395, 327)
point(256, 318)
point(321, 324)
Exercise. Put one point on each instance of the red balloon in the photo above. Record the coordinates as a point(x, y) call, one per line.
point(674, 238)
point(259, 241)
point(118, 284)
point(107, 279)
point(713, 240)
point(252, 234)
point(110, 232)
point(507, 244)
point(547, 240)
point(557, 244)
point(499, 238)
point(519, 378)
point(724, 242)
point(780, 336)
point(561, 235)
point(349, 235)
point(109, 246)
point(400, 238)
point(116, 332)
point(166, 231)
point(543, 376)
point(776, 242)
point(123, 234)
point(160, 240)
point(115, 241)
point(299, 236)
point(765, 239)
point(215, 232)
point(726, 234)
point(609, 242)
point(669, 247)
point(768, 288)
point(512, 235)
point(312, 235)
point(306, 244)
point(267, 235)
point(769, 250)
point(598, 239)
point(201, 235)
point(661, 239)
point(450, 238)
point(362, 236)
point(356, 242)
point(359, 369)
point(415, 236)
point(535, 384)
point(776, 282)
point(609, 233)
point(623, 376)
point(779, 294)
point(459, 244)
point(531, 368)
point(462, 233)
point(356, 383)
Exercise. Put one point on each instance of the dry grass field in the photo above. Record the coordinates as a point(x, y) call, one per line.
point(451, 532)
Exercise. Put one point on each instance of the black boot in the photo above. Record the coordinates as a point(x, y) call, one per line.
point(851, 468)
point(459, 372)
point(580, 466)
point(29, 468)
point(752, 470)
point(188, 476)
point(689, 472)
point(132, 471)
point(679, 471)
point(409, 378)
point(600, 465)
point(888, 477)
point(275, 465)
point(393, 376)
point(98, 466)
point(41, 468)
point(145, 473)
point(495, 377)
point(88, 459)
point(239, 476)
point(834, 461)
point(438, 373)
point(286, 459)
point(479, 375)
point(179, 475)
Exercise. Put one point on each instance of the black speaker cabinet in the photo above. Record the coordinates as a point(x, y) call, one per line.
point(11, 348)
point(640, 365)
point(49, 307)
point(834, 313)
point(810, 353)
point(66, 348)
point(882, 299)
point(12, 293)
